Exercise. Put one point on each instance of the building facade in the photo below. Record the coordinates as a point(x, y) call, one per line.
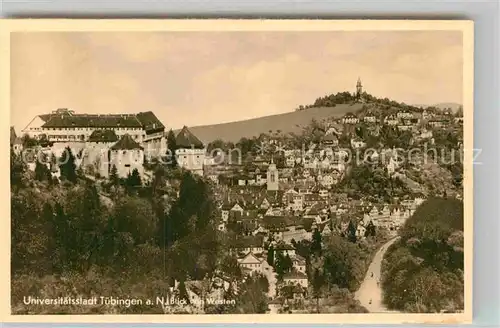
point(65, 126)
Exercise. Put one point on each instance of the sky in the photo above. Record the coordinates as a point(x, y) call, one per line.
point(199, 78)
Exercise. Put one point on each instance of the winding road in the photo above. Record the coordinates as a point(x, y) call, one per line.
point(369, 293)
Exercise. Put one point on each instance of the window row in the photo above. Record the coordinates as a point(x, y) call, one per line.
point(89, 129)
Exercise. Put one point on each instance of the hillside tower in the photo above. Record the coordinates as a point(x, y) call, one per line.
point(272, 177)
point(359, 89)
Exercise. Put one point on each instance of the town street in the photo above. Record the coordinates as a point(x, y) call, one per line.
point(369, 289)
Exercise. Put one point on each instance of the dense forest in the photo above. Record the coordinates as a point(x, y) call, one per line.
point(423, 272)
point(346, 97)
point(72, 239)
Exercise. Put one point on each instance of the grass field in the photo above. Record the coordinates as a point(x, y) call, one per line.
point(287, 122)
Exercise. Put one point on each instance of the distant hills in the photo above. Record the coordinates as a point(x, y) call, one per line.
point(454, 106)
point(286, 123)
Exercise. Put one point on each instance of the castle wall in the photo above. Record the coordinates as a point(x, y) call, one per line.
point(191, 159)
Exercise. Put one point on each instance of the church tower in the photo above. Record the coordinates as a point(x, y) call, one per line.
point(359, 88)
point(272, 177)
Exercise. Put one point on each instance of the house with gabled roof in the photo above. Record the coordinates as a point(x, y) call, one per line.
point(370, 118)
point(296, 278)
point(251, 262)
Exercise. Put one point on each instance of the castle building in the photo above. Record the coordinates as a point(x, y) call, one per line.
point(65, 126)
point(97, 151)
point(190, 152)
point(272, 177)
point(35, 128)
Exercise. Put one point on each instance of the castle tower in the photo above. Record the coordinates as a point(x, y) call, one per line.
point(126, 155)
point(359, 88)
point(272, 177)
point(190, 152)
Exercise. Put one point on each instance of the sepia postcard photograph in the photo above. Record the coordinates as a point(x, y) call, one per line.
point(300, 171)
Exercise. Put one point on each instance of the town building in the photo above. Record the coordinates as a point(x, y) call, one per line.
point(296, 278)
point(404, 114)
point(272, 177)
point(370, 118)
point(251, 262)
point(391, 120)
point(350, 118)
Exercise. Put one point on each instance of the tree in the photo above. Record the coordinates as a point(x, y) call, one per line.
point(270, 255)
point(17, 169)
point(42, 173)
point(424, 270)
point(135, 217)
point(351, 232)
point(183, 295)
point(230, 266)
point(317, 283)
point(252, 295)
point(68, 166)
point(370, 230)
point(134, 179)
point(28, 142)
point(172, 148)
point(113, 175)
point(288, 264)
point(279, 265)
point(316, 243)
point(193, 210)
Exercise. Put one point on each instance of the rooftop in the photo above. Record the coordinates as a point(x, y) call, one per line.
point(186, 139)
point(62, 119)
point(295, 275)
point(126, 143)
point(103, 136)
